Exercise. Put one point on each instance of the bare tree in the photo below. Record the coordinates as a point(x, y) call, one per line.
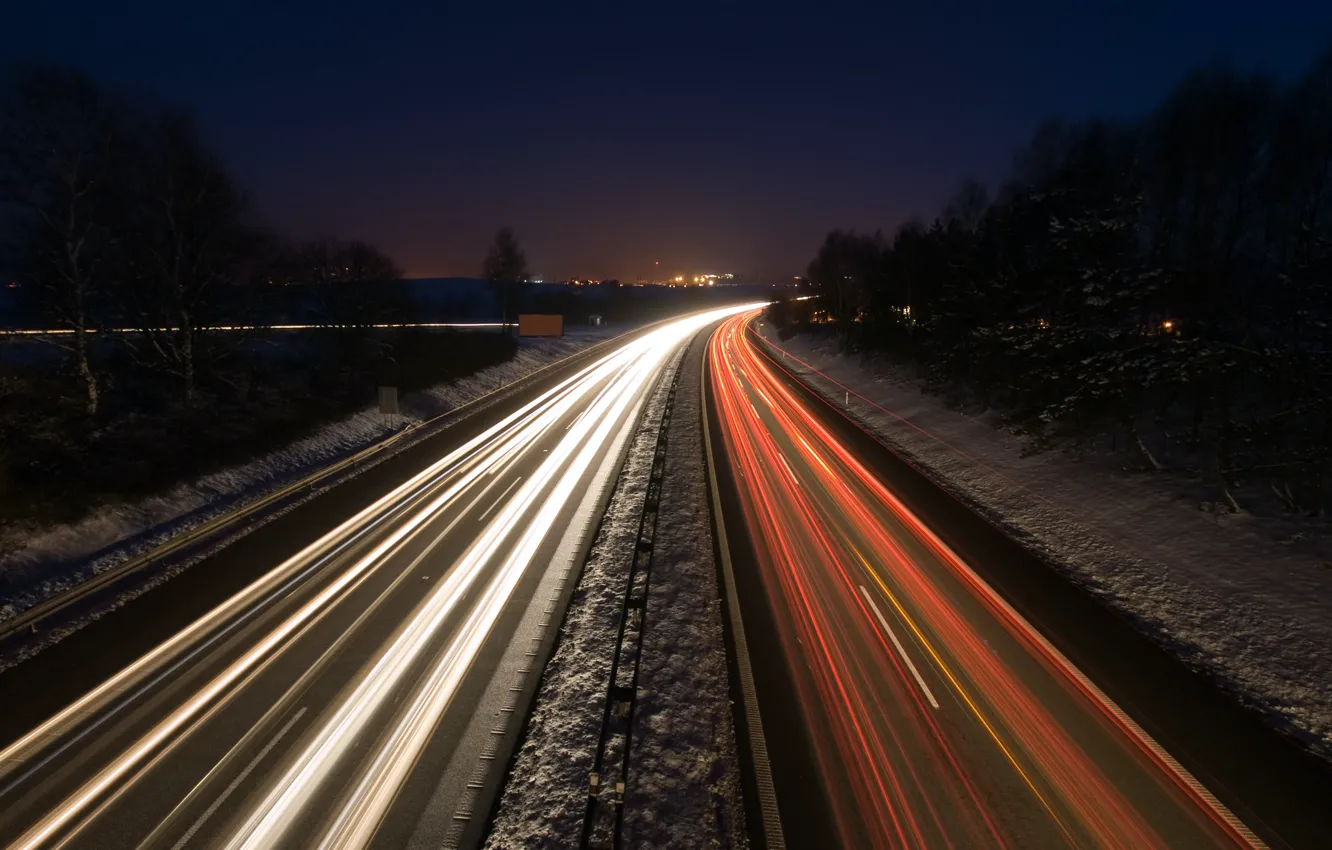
point(505, 268)
point(968, 205)
point(343, 261)
point(354, 282)
point(189, 241)
point(59, 150)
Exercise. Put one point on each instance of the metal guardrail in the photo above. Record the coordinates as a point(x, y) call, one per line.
point(603, 821)
point(764, 790)
point(27, 621)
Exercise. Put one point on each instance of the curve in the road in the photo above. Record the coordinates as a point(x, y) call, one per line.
point(297, 712)
point(934, 713)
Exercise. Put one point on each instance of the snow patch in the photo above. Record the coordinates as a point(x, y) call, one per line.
point(545, 798)
point(684, 780)
point(684, 788)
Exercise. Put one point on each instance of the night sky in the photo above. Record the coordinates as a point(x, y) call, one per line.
point(713, 141)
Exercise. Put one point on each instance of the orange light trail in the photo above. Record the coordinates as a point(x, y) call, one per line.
point(937, 716)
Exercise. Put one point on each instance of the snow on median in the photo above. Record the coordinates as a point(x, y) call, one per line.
point(684, 783)
point(1221, 592)
point(685, 777)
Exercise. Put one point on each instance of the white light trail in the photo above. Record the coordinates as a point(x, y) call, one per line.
point(622, 376)
point(303, 785)
point(233, 328)
point(472, 453)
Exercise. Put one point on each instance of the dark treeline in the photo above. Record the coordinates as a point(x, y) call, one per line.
point(115, 213)
point(1163, 288)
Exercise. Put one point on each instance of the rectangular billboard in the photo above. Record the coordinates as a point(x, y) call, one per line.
point(540, 324)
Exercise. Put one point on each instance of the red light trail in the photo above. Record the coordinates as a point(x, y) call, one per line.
point(938, 716)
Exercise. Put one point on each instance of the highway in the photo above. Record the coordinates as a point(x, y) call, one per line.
point(934, 714)
point(360, 691)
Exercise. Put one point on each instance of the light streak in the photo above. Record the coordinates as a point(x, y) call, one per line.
point(235, 328)
point(606, 392)
point(1036, 754)
point(477, 453)
point(301, 785)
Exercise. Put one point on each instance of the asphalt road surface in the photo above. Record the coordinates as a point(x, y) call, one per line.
point(935, 714)
point(360, 691)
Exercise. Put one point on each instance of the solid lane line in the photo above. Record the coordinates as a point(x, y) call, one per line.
point(900, 649)
point(235, 783)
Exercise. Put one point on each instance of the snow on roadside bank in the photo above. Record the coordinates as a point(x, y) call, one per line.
point(684, 785)
point(52, 560)
point(1220, 591)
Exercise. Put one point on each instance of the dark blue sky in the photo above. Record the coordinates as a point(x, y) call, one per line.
point(722, 139)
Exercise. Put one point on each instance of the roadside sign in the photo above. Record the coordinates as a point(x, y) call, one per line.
point(540, 324)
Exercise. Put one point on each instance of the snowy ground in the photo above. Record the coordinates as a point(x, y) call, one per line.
point(41, 564)
point(684, 788)
point(685, 776)
point(1222, 591)
point(544, 801)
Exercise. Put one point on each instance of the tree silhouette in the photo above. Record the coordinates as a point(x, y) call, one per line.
point(354, 283)
point(967, 207)
point(61, 147)
point(505, 269)
point(1161, 287)
point(844, 270)
point(190, 241)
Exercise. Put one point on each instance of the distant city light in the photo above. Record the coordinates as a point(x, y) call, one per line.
point(695, 279)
